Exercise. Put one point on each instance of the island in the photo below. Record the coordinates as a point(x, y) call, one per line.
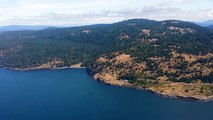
point(171, 58)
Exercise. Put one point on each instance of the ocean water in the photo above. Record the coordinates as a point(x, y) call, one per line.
point(71, 94)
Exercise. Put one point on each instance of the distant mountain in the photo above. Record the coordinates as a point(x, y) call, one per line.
point(21, 27)
point(206, 23)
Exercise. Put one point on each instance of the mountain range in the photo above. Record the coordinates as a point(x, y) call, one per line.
point(21, 27)
point(206, 23)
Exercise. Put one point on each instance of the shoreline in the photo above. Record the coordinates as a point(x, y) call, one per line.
point(159, 94)
point(47, 67)
point(51, 68)
point(132, 86)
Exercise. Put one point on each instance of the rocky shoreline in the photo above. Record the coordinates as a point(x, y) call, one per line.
point(201, 99)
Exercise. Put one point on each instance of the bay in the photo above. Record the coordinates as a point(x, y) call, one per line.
point(71, 94)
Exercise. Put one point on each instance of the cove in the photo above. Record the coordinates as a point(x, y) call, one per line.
point(71, 94)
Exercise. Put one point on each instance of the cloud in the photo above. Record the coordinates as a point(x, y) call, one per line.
point(107, 16)
point(81, 12)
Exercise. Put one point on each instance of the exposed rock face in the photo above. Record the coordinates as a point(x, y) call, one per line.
point(181, 30)
point(124, 37)
point(153, 40)
point(78, 65)
point(146, 31)
point(110, 79)
point(87, 31)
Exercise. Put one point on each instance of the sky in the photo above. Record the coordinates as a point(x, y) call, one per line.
point(85, 12)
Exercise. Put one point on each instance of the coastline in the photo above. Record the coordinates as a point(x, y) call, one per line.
point(172, 96)
point(207, 99)
point(51, 68)
point(127, 85)
point(74, 66)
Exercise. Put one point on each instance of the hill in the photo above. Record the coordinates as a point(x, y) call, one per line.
point(206, 23)
point(172, 58)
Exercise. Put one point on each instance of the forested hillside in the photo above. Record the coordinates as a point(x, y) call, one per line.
point(157, 55)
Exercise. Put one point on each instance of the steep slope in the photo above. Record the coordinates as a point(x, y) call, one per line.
point(173, 58)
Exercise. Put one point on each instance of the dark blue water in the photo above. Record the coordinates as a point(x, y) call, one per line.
point(1, 58)
point(71, 94)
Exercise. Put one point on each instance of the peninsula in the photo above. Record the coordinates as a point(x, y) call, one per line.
point(172, 58)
